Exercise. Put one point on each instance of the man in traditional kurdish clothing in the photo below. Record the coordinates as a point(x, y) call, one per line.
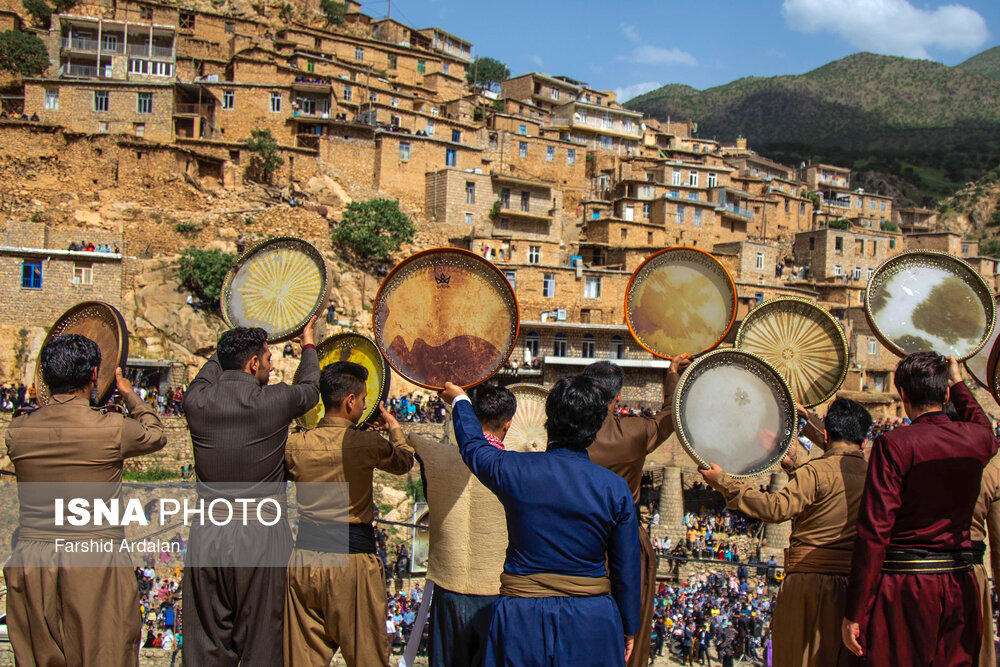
point(912, 597)
point(622, 445)
point(569, 592)
point(239, 426)
point(337, 601)
point(59, 614)
point(467, 537)
point(986, 521)
point(821, 498)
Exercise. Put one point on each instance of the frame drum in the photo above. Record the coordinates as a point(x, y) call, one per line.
point(924, 300)
point(102, 323)
point(445, 315)
point(978, 364)
point(278, 285)
point(527, 430)
point(680, 301)
point(803, 341)
point(733, 408)
point(361, 350)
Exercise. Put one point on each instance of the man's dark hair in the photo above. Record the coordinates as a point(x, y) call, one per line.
point(923, 376)
point(68, 362)
point(574, 410)
point(339, 380)
point(238, 346)
point(609, 378)
point(847, 421)
point(493, 405)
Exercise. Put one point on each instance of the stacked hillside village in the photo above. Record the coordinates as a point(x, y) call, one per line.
point(557, 183)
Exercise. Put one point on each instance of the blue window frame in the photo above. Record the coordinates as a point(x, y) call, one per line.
point(31, 274)
point(451, 158)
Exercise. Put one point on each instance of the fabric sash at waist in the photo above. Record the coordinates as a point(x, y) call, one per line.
point(330, 539)
point(548, 584)
point(817, 560)
point(907, 560)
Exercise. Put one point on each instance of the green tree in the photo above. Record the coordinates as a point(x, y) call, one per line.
point(839, 223)
point(373, 229)
point(989, 248)
point(265, 160)
point(21, 53)
point(334, 11)
point(488, 72)
point(40, 11)
point(889, 226)
point(202, 271)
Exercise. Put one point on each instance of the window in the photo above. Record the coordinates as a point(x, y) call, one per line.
point(592, 287)
point(680, 215)
point(617, 349)
point(525, 202)
point(31, 274)
point(450, 158)
point(857, 272)
point(310, 66)
point(802, 209)
point(421, 67)
point(100, 100)
point(430, 128)
point(645, 211)
point(434, 111)
point(550, 153)
point(871, 271)
point(549, 286)
point(871, 204)
point(892, 244)
point(693, 179)
point(760, 260)
point(275, 102)
point(186, 20)
point(231, 28)
point(373, 97)
point(504, 197)
point(788, 206)
point(872, 346)
point(712, 180)
point(511, 277)
point(693, 196)
point(52, 99)
point(505, 223)
point(838, 244)
point(161, 69)
point(697, 217)
point(883, 206)
point(456, 136)
point(470, 192)
point(554, 94)
point(139, 129)
point(606, 142)
point(146, 13)
point(404, 150)
point(359, 53)
point(468, 218)
point(234, 157)
point(228, 99)
point(102, 126)
point(522, 148)
point(588, 349)
point(144, 103)
point(675, 177)
point(394, 101)
point(559, 345)
point(83, 273)
point(347, 93)
point(535, 254)
point(571, 156)
point(531, 341)
point(838, 270)
point(676, 194)
point(109, 42)
point(522, 129)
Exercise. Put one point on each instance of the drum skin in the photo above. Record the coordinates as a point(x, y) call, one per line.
point(680, 300)
point(978, 365)
point(102, 323)
point(924, 300)
point(733, 408)
point(527, 430)
point(445, 315)
point(278, 284)
point(361, 350)
point(803, 341)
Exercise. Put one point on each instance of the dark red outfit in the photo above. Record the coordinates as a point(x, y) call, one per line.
point(922, 485)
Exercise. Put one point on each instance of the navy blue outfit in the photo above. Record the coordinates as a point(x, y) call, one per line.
point(564, 516)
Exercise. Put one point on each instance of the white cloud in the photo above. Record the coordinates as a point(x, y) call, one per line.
point(892, 27)
point(537, 60)
point(636, 89)
point(648, 54)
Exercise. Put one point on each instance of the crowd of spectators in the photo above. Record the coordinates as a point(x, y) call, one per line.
point(512, 366)
point(167, 402)
point(626, 411)
point(417, 408)
point(88, 246)
point(160, 608)
point(17, 115)
point(884, 425)
point(13, 397)
point(401, 614)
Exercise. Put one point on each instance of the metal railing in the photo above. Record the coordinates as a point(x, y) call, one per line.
point(741, 211)
point(80, 44)
point(842, 203)
point(138, 49)
point(87, 71)
point(163, 51)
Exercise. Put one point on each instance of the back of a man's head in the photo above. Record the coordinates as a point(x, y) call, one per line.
point(339, 380)
point(574, 411)
point(923, 378)
point(238, 346)
point(68, 362)
point(608, 377)
point(847, 421)
point(494, 406)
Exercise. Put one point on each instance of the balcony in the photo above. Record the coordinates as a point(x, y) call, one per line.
point(163, 52)
point(145, 50)
point(85, 71)
point(194, 109)
point(80, 44)
point(841, 203)
point(741, 211)
point(310, 141)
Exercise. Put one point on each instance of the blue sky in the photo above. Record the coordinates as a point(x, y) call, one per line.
point(638, 45)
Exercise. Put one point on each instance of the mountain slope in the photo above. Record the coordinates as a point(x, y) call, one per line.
point(936, 127)
point(986, 63)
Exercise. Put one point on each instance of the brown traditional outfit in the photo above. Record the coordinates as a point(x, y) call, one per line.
point(58, 614)
point(986, 521)
point(329, 606)
point(621, 446)
point(821, 498)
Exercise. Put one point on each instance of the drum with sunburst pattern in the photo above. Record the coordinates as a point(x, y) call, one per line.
point(527, 430)
point(803, 341)
point(278, 285)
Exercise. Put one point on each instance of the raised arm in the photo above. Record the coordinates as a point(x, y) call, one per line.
point(624, 567)
point(965, 404)
point(799, 493)
point(483, 459)
point(395, 455)
point(664, 419)
point(142, 430)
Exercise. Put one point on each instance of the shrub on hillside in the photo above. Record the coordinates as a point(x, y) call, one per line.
point(265, 160)
point(373, 229)
point(21, 53)
point(202, 271)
